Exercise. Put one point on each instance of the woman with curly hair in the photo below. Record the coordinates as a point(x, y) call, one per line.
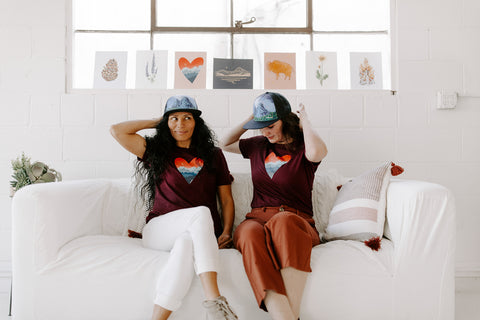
point(181, 172)
point(277, 236)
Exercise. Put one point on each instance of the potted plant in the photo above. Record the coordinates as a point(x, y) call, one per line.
point(25, 173)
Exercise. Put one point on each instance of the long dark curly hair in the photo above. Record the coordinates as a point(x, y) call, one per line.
point(159, 148)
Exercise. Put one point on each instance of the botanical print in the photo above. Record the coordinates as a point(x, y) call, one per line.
point(321, 70)
point(151, 72)
point(110, 69)
point(232, 73)
point(321, 74)
point(280, 71)
point(366, 70)
point(366, 73)
point(190, 70)
point(273, 163)
point(189, 170)
point(151, 69)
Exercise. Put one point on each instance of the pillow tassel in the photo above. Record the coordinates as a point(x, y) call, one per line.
point(373, 243)
point(134, 234)
point(396, 170)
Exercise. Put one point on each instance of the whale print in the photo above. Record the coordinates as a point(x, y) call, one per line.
point(273, 163)
point(189, 170)
point(190, 69)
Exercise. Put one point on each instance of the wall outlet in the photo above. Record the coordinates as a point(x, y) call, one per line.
point(446, 100)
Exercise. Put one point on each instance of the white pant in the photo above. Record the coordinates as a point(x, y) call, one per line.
point(189, 235)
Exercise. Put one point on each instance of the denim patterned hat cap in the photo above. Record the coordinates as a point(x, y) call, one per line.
point(181, 103)
point(268, 108)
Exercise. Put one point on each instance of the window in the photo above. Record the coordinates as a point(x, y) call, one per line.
point(242, 29)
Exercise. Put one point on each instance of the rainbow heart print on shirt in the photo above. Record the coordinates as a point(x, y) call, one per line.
point(189, 170)
point(273, 163)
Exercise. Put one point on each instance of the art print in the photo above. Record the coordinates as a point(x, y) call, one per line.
point(190, 70)
point(232, 73)
point(110, 70)
point(366, 70)
point(280, 71)
point(321, 70)
point(151, 69)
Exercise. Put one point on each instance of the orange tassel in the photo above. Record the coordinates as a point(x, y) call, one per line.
point(373, 243)
point(396, 170)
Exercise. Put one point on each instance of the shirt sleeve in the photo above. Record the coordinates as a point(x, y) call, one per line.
point(309, 164)
point(247, 146)
point(223, 176)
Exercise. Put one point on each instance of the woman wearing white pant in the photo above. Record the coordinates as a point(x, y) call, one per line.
point(181, 172)
point(188, 235)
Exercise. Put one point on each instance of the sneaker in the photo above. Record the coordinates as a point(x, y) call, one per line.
point(218, 309)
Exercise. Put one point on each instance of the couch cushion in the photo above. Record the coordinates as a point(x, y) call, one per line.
point(97, 274)
point(349, 281)
point(124, 208)
point(323, 197)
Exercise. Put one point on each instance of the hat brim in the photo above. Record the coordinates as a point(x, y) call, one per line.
point(192, 111)
point(252, 124)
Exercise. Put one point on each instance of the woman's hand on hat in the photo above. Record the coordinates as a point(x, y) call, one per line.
point(302, 113)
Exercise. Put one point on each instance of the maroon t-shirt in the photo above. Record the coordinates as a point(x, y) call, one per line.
point(279, 177)
point(187, 183)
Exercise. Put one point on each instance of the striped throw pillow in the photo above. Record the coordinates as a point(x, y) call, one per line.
point(359, 209)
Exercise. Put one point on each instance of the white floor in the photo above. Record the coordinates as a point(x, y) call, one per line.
point(467, 300)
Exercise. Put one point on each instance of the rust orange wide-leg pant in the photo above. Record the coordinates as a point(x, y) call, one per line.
point(273, 238)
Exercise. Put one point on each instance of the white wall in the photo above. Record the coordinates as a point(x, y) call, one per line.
point(438, 48)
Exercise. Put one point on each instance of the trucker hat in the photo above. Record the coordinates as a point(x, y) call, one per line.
point(268, 108)
point(181, 103)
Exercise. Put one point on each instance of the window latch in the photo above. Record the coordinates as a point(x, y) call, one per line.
point(239, 23)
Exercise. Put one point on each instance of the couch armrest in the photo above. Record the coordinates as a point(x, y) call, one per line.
point(47, 216)
point(421, 218)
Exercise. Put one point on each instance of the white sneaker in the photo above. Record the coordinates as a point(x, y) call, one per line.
point(218, 309)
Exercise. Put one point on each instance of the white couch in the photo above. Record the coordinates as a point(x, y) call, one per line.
point(72, 260)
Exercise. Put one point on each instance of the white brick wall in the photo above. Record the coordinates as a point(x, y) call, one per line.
point(438, 48)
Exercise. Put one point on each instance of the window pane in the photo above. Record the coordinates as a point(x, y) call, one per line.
point(254, 46)
point(272, 13)
point(344, 44)
point(353, 15)
point(111, 14)
point(188, 13)
point(216, 46)
point(86, 44)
